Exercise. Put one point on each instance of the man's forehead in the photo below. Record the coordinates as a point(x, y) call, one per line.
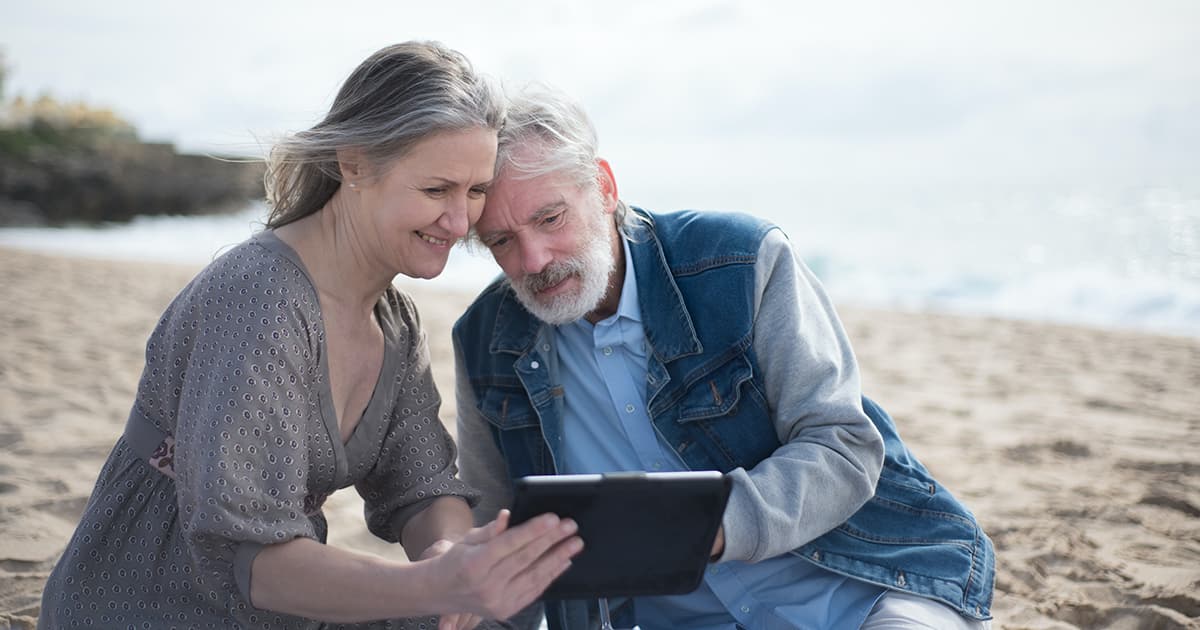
point(522, 200)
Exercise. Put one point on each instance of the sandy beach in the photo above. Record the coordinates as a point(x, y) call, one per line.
point(1079, 449)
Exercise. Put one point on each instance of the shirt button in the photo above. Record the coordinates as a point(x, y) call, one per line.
point(628, 408)
point(714, 569)
point(745, 609)
point(657, 465)
point(545, 347)
point(535, 365)
point(607, 351)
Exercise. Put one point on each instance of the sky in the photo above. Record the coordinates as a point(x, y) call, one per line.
point(715, 95)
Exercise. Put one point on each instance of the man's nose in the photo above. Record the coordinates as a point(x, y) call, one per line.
point(534, 255)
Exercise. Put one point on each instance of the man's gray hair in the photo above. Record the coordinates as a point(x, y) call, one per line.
point(546, 132)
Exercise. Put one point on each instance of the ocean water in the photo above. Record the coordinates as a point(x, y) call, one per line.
point(1127, 259)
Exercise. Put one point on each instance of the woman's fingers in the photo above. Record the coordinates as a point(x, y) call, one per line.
point(544, 550)
point(459, 621)
point(480, 535)
point(498, 570)
point(510, 570)
point(528, 570)
point(529, 583)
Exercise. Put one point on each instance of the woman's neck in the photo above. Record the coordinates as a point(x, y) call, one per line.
point(338, 260)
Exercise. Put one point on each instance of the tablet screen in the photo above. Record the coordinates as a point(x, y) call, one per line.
point(643, 533)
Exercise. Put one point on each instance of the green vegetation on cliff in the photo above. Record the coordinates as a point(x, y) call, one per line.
point(72, 162)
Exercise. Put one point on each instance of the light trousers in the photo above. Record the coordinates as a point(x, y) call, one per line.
point(901, 611)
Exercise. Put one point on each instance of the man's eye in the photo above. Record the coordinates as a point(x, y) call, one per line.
point(435, 191)
point(497, 242)
point(552, 219)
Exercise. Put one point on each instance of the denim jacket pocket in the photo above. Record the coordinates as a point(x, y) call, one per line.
point(907, 509)
point(507, 408)
point(718, 392)
point(720, 421)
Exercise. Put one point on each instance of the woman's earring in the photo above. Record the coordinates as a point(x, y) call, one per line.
point(353, 185)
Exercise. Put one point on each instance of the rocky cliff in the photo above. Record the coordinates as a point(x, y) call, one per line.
point(116, 180)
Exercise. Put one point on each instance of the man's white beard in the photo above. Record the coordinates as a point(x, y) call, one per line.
point(592, 266)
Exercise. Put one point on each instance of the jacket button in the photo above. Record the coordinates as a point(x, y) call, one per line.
point(535, 365)
point(900, 580)
point(816, 556)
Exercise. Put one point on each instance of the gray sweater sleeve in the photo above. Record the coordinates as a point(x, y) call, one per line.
point(831, 453)
point(479, 460)
point(482, 466)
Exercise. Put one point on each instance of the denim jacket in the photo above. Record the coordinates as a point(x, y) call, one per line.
point(706, 397)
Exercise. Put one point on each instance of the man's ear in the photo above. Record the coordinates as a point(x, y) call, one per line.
point(608, 185)
point(352, 165)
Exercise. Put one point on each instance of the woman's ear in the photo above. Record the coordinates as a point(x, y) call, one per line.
point(608, 185)
point(352, 166)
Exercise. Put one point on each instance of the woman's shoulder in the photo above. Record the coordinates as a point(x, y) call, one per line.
point(258, 269)
point(399, 317)
point(255, 285)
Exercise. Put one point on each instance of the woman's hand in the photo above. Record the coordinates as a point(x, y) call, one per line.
point(456, 621)
point(494, 572)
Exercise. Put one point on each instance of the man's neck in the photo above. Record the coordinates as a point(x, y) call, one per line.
point(616, 280)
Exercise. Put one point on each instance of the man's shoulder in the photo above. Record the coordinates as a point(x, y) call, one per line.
point(484, 307)
point(707, 223)
point(715, 232)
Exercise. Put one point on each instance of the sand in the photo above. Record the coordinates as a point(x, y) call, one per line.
point(1079, 449)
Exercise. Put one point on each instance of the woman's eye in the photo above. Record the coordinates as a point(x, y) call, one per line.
point(478, 192)
point(435, 191)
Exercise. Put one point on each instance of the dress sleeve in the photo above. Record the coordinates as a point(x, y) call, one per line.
point(416, 462)
point(241, 435)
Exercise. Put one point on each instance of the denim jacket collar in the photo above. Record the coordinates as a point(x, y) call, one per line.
point(669, 330)
point(515, 331)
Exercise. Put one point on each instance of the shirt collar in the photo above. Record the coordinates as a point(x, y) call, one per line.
point(628, 306)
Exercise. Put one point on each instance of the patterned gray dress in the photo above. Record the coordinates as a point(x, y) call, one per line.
point(232, 444)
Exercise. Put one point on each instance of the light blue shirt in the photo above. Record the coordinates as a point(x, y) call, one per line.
point(606, 428)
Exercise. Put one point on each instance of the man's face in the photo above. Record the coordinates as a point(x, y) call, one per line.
point(555, 241)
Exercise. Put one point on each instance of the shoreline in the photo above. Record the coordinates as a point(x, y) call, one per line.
point(1078, 447)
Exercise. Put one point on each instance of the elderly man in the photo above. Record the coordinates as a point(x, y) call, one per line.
point(622, 339)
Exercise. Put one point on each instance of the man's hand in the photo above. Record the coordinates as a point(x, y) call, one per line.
point(718, 547)
point(494, 572)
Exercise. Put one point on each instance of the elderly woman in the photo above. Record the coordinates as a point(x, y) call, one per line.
point(290, 368)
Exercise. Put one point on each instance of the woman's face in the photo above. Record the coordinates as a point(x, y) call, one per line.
point(422, 203)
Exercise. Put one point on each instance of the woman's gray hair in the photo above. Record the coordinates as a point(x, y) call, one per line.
point(397, 97)
point(546, 132)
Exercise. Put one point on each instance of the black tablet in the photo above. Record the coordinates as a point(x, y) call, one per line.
point(643, 533)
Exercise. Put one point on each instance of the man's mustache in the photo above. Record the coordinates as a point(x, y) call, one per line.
point(554, 273)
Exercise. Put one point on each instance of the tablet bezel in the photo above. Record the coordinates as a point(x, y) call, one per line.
point(595, 501)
